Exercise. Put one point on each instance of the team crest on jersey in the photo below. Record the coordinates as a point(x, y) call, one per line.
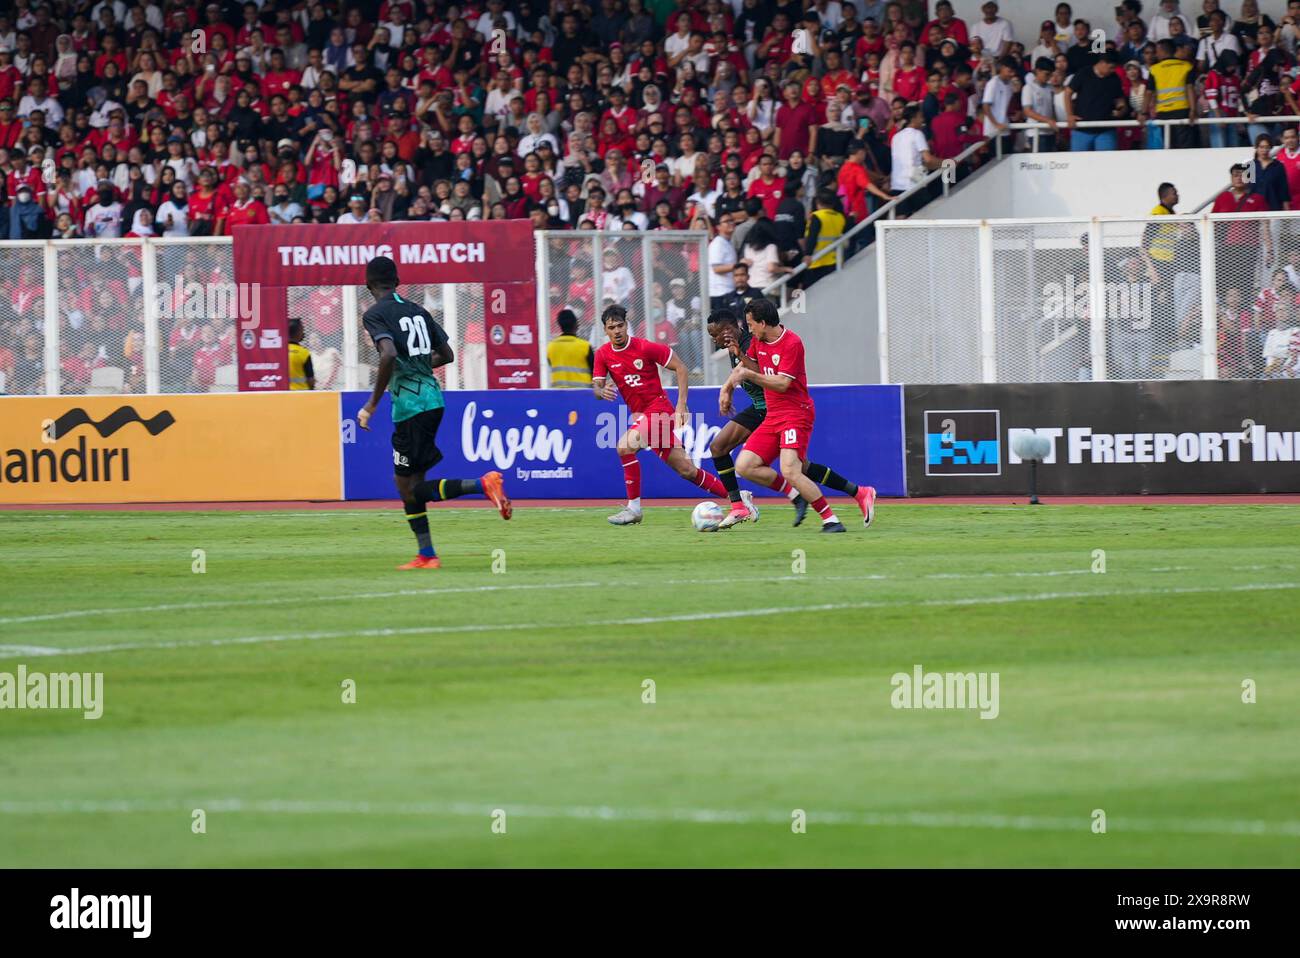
point(637, 363)
point(776, 359)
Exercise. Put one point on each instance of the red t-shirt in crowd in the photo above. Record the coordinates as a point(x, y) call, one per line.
point(769, 193)
point(795, 123)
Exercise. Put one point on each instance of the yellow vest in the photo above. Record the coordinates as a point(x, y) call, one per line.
point(832, 228)
point(568, 358)
point(1170, 79)
point(1164, 239)
point(299, 356)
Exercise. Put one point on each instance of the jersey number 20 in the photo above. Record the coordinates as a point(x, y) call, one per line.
point(417, 335)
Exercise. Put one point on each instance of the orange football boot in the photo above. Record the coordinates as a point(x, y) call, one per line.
point(495, 489)
point(422, 562)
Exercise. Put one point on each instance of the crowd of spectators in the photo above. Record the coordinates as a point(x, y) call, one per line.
point(163, 118)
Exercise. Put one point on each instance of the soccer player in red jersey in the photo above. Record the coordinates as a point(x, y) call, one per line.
point(775, 361)
point(629, 366)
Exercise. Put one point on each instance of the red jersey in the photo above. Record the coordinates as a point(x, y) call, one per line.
point(1223, 93)
point(635, 370)
point(769, 193)
point(784, 357)
point(1291, 164)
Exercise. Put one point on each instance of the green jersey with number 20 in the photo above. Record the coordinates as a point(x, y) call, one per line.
point(415, 336)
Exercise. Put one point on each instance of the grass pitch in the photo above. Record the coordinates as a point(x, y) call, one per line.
point(522, 690)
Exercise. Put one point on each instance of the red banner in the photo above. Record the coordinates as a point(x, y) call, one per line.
point(273, 258)
point(262, 354)
point(310, 254)
point(510, 318)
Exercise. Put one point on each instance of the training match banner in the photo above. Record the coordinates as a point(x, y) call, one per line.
point(268, 260)
point(561, 443)
point(213, 447)
point(1120, 438)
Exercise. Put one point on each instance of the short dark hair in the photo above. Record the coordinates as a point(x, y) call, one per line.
point(295, 326)
point(613, 312)
point(764, 311)
point(381, 271)
point(1164, 188)
point(753, 206)
point(567, 320)
point(723, 317)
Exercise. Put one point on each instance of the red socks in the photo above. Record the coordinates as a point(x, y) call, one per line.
point(710, 483)
point(822, 507)
point(632, 476)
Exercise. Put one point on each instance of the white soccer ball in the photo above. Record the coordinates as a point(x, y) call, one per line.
point(706, 516)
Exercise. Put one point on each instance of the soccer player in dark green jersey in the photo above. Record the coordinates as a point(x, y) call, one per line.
point(411, 346)
point(729, 333)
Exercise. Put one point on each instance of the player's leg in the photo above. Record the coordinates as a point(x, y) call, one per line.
point(731, 436)
point(793, 439)
point(760, 449)
point(428, 455)
point(681, 464)
point(417, 517)
point(411, 455)
point(632, 442)
point(659, 429)
point(865, 496)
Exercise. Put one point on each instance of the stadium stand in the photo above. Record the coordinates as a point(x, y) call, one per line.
point(122, 119)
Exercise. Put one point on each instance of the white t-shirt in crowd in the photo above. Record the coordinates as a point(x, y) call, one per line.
point(906, 151)
point(104, 222)
point(993, 34)
point(179, 216)
point(721, 251)
point(997, 95)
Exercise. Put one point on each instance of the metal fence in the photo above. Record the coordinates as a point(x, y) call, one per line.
point(160, 315)
point(1161, 297)
point(661, 276)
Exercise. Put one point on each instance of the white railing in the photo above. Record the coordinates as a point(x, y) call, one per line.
point(1036, 129)
point(55, 288)
point(1046, 299)
point(945, 175)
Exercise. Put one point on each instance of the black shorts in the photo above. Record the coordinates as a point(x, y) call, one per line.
point(415, 443)
point(751, 417)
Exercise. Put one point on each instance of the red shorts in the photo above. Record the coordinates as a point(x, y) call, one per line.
point(770, 438)
point(655, 425)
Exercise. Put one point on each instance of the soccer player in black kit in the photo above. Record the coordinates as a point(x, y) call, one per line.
point(411, 346)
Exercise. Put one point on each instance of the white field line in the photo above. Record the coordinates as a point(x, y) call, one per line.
point(700, 816)
point(542, 586)
point(643, 620)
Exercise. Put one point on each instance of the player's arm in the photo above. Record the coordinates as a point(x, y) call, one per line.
point(725, 407)
point(442, 354)
point(777, 382)
point(387, 359)
point(601, 387)
point(683, 384)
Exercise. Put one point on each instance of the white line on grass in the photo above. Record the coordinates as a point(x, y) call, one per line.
point(542, 586)
point(699, 816)
point(658, 619)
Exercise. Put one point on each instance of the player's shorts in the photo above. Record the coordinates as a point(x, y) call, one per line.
point(415, 443)
point(750, 418)
point(771, 437)
point(656, 426)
